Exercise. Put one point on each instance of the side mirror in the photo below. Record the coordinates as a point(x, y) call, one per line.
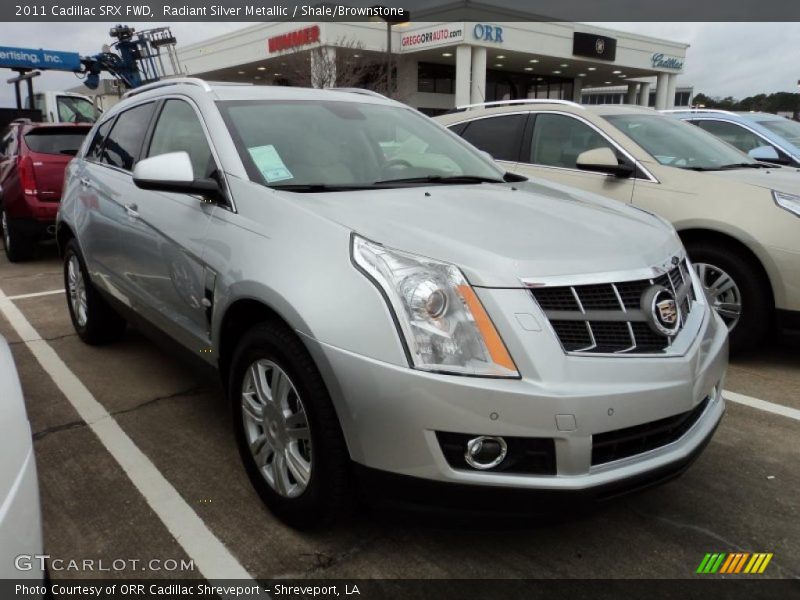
point(603, 160)
point(765, 153)
point(173, 172)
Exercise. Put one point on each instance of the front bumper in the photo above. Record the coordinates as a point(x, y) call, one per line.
point(390, 414)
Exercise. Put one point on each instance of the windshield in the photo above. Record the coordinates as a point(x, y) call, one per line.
point(73, 109)
point(677, 144)
point(329, 144)
point(788, 130)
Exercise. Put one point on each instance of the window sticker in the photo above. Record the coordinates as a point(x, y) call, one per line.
point(269, 162)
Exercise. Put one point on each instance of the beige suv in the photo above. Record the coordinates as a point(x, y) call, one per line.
point(738, 218)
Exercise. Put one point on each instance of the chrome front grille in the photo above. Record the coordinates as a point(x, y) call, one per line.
point(603, 318)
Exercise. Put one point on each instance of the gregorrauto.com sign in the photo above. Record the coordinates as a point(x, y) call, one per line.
point(431, 37)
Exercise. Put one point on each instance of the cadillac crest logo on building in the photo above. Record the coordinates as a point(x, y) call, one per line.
point(600, 45)
point(661, 310)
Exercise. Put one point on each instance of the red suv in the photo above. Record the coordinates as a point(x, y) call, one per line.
point(33, 157)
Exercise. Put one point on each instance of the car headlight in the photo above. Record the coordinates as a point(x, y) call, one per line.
point(443, 323)
point(790, 202)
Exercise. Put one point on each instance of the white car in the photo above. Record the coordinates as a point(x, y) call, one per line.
point(20, 514)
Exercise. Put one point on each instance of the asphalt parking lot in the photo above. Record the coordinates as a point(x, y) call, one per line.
point(742, 495)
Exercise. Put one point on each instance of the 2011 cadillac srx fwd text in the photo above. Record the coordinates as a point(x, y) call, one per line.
point(380, 298)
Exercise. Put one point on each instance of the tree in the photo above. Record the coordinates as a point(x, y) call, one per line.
point(341, 65)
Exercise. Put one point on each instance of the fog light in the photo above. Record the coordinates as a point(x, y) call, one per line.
point(485, 452)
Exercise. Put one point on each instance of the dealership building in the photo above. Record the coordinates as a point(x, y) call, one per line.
point(438, 66)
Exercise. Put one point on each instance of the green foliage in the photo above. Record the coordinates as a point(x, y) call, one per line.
point(772, 103)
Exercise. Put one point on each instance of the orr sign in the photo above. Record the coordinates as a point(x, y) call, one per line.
point(293, 39)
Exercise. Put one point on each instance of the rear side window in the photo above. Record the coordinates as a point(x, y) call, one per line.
point(123, 144)
point(56, 140)
point(499, 136)
point(95, 148)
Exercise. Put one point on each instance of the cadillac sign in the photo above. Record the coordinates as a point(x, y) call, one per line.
point(662, 61)
point(594, 46)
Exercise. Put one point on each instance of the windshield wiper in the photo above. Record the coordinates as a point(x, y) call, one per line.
point(744, 165)
point(312, 188)
point(449, 179)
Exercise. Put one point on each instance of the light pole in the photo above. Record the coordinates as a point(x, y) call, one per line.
point(390, 20)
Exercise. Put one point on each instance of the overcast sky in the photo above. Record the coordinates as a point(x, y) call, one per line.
point(725, 59)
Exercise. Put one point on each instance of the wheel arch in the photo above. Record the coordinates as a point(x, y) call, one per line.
point(701, 234)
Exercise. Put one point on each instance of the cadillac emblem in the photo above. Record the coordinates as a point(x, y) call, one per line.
point(599, 45)
point(661, 310)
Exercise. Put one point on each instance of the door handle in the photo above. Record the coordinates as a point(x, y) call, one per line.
point(86, 182)
point(132, 210)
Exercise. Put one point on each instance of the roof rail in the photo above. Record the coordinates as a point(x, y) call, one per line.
point(519, 101)
point(167, 82)
point(362, 91)
point(698, 110)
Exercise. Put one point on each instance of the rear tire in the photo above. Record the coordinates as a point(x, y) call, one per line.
point(95, 322)
point(301, 438)
point(750, 288)
point(17, 246)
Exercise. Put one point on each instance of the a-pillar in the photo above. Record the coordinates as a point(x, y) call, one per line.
point(463, 73)
point(478, 86)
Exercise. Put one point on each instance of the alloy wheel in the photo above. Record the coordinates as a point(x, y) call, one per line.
point(77, 291)
point(276, 428)
point(722, 292)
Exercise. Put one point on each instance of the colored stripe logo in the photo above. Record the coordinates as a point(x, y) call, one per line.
point(734, 563)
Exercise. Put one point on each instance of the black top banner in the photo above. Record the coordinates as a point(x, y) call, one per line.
point(414, 10)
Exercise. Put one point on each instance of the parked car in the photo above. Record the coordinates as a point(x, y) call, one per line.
point(64, 107)
point(33, 157)
point(763, 136)
point(20, 513)
point(371, 314)
point(738, 219)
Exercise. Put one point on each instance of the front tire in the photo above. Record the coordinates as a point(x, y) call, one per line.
point(737, 290)
point(17, 246)
point(95, 322)
point(287, 430)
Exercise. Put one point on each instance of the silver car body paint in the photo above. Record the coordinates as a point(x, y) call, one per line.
point(291, 252)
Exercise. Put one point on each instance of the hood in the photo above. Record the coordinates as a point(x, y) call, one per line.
point(782, 179)
point(498, 234)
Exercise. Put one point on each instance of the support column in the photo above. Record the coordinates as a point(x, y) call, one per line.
point(478, 86)
point(671, 88)
point(644, 94)
point(662, 90)
point(577, 86)
point(323, 67)
point(463, 73)
point(407, 79)
point(633, 90)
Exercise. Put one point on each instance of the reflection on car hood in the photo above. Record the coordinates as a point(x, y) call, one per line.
point(783, 179)
point(498, 234)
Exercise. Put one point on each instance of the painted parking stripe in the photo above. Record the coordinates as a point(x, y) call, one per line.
point(210, 555)
point(771, 407)
point(35, 294)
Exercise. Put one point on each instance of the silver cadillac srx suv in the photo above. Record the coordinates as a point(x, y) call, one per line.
point(383, 301)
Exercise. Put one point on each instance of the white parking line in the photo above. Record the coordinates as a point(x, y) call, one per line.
point(35, 295)
point(210, 555)
point(771, 407)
